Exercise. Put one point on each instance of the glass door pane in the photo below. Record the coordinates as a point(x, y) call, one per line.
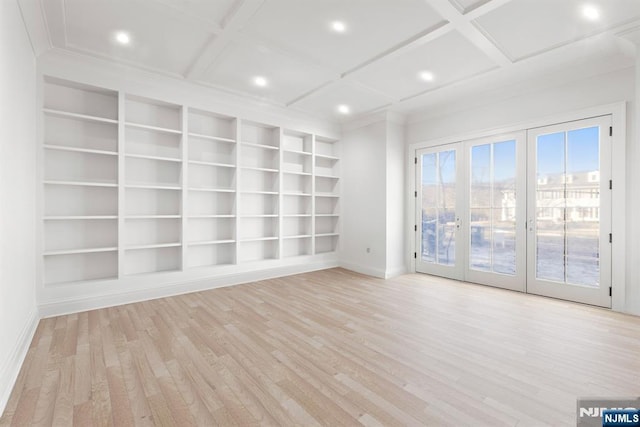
point(495, 245)
point(570, 258)
point(568, 203)
point(439, 207)
point(493, 207)
point(439, 222)
point(550, 206)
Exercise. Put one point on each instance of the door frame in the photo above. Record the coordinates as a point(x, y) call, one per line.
point(618, 112)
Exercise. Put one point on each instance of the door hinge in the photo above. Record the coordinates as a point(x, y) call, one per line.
point(415, 228)
point(610, 291)
point(610, 237)
point(415, 160)
point(415, 255)
point(610, 184)
point(610, 130)
point(415, 194)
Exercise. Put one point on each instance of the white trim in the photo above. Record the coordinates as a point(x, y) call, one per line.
point(619, 207)
point(396, 271)
point(618, 112)
point(363, 269)
point(75, 305)
point(366, 120)
point(373, 118)
point(11, 368)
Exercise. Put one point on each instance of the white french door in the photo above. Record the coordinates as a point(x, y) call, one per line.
point(439, 200)
point(528, 211)
point(496, 211)
point(569, 211)
point(471, 203)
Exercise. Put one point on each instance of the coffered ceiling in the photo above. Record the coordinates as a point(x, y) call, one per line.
point(366, 55)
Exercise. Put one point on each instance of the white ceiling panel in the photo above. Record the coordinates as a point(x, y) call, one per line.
point(210, 10)
point(325, 101)
point(304, 27)
point(160, 38)
point(449, 58)
point(287, 78)
point(523, 28)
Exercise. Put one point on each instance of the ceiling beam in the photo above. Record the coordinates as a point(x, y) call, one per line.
point(463, 24)
point(453, 20)
point(407, 45)
point(237, 17)
point(414, 42)
point(485, 8)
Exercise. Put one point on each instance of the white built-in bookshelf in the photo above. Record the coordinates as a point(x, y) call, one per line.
point(211, 198)
point(136, 186)
point(326, 173)
point(152, 176)
point(258, 190)
point(80, 183)
point(297, 194)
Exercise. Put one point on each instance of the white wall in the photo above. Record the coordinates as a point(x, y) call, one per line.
point(521, 108)
point(396, 194)
point(373, 196)
point(364, 199)
point(457, 123)
point(633, 201)
point(18, 316)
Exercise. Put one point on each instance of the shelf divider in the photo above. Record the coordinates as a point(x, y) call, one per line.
point(237, 203)
point(313, 191)
point(184, 201)
point(280, 190)
point(121, 180)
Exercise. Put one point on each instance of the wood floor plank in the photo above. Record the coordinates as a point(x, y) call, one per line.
point(82, 414)
point(138, 403)
point(63, 409)
point(46, 401)
point(24, 411)
point(120, 404)
point(331, 347)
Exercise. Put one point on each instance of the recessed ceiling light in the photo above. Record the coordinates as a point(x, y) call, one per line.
point(344, 109)
point(427, 76)
point(260, 81)
point(591, 12)
point(123, 37)
point(338, 26)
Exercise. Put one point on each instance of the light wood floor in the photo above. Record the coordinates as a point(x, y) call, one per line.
point(328, 348)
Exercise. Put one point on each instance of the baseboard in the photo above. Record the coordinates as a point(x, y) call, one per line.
point(84, 303)
point(394, 272)
point(364, 269)
point(11, 367)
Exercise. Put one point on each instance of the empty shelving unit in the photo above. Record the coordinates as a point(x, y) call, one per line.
point(138, 190)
